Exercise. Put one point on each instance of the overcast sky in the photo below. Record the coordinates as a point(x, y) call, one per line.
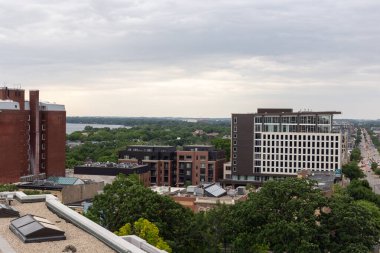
point(194, 58)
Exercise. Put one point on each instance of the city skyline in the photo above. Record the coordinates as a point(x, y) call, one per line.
point(194, 59)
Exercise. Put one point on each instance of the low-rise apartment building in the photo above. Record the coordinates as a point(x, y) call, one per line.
point(194, 164)
point(160, 159)
point(199, 164)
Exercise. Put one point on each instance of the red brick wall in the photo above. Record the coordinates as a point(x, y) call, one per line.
point(13, 94)
point(196, 164)
point(53, 130)
point(145, 178)
point(13, 145)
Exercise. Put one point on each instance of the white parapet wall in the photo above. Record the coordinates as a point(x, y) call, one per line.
point(110, 239)
point(128, 244)
point(142, 244)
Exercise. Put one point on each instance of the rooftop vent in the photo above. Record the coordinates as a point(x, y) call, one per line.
point(8, 211)
point(30, 228)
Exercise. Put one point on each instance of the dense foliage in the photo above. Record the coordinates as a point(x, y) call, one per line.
point(145, 230)
point(358, 137)
point(375, 139)
point(8, 187)
point(103, 144)
point(356, 155)
point(284, 216)
point(126, 201)
point(361, 190)
point(352, 170)
point(137, 121)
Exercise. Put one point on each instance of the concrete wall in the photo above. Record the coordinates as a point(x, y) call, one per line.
point(77, 193)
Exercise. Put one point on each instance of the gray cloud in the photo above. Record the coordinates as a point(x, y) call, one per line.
point(194, 58)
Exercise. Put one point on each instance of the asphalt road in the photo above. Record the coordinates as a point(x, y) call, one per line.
point(369, 154)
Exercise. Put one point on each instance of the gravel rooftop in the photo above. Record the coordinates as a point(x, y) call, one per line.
point(75, 236)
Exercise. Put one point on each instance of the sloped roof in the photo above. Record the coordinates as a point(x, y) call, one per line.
point(215, 191)
point(30, 228)
point(8, 211)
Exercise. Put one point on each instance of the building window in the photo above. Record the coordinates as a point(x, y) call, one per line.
point(234, 169)
point(235, 120)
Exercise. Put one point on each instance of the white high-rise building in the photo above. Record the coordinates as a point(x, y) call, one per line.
point(275, 143)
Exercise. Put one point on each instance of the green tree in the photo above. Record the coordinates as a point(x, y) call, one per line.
point(372, 208)
point(361, 190)
point(125, 201)
point(355, 155)
point(292, 216)
point(352, 170)
point(148, 231)
point(280, 216)
point(351, 227)
point(124, 230)
point(223, 144)
point(145, 230)
point(374, 166)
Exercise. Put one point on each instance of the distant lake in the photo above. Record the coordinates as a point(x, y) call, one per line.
point(71, 127)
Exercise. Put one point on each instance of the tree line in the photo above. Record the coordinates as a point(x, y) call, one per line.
point(103, 144)
point(284, 216)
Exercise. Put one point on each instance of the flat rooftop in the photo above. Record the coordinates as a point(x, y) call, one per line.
point(151, 146)
point(75, 236)
point(287, 111)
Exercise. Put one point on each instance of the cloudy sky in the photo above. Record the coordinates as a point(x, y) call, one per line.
point(194, 58)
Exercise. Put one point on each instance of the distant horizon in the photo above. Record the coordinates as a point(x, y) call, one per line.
point(184, 117)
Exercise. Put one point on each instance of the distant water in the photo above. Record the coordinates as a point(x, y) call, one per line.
point(71, 127)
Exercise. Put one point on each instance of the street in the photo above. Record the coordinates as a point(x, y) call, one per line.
point(369, 154)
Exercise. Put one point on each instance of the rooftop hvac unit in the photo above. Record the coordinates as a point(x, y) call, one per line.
point(240, 190)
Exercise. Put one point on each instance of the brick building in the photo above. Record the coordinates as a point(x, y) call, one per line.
point(32, 136)
point(192, 165)
point(199, 164)
point(160, 159)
